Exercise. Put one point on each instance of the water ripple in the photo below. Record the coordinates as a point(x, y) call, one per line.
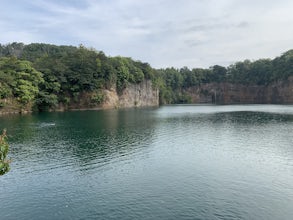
point(175, 162)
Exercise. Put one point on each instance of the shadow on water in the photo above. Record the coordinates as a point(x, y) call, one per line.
point(89, 139)
point(20, 128)
point(96, 138)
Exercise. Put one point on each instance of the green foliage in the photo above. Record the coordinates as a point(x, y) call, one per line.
point(137, 74)
point(184, 99)
point(46, 101)
point(172, 82)
point(4, 148)
point(14, 49)
point(97, 98)
point(122, 72)
point(5, 91)
point(66, 72)
point(47, 75)
point(19, 79)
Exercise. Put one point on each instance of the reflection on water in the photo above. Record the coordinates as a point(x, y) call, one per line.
point(87, 137)
point(174, 162)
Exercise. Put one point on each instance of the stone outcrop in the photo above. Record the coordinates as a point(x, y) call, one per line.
point(134, 95)
point(280, 92)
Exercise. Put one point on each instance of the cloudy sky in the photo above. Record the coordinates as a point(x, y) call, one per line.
point(193, 33)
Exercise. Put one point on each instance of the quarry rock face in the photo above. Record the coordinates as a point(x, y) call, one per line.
point(134, 95)
point(280, 92)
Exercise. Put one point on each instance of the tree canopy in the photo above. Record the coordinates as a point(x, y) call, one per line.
point(44, 75)
point(172, 82)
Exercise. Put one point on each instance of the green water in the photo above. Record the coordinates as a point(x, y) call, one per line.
point(173, 162)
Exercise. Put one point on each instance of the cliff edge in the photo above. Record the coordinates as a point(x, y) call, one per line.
point(133, 95)
point(280, 92)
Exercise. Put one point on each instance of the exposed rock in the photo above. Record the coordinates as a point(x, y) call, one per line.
point(134, 95)
point(280, 92)
point(111, 99)
point(139, 95)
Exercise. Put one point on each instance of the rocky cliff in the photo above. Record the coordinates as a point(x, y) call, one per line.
point(134, 95)
point(280, 92)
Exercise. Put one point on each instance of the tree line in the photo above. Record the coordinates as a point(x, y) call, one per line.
point(41, 76)
point(173, 82)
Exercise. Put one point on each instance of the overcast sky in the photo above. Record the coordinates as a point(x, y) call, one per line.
point(193, 33)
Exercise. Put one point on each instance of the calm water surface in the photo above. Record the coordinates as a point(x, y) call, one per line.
point(174, 162)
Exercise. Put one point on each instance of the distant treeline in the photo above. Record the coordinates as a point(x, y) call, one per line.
point(43, 75)
point(173, 82)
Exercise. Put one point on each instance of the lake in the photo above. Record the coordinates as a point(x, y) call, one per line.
point(172, 162)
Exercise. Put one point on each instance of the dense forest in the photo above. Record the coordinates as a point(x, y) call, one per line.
point(42, 76)
point(173, 82)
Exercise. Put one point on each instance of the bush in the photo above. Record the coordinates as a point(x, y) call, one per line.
point(2, 104)
point(4, 147)
point(98, 97)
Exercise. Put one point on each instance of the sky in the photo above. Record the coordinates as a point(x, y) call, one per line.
point(164, 33)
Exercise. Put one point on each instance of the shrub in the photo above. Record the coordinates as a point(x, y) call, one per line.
point(4, 147)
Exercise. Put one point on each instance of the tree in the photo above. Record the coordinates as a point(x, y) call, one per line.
point(27, 80)
point(19, 80)
point(121, 65)
point(260, 72)
point(238, 72)
point(218, 73)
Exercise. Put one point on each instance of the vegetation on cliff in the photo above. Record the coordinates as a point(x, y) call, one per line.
point(43, 76)
point(173, 82)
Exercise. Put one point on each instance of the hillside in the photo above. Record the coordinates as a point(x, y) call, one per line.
point(42, 77)
point(45, 77)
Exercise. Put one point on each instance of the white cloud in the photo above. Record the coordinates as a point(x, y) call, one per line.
point(194, 33)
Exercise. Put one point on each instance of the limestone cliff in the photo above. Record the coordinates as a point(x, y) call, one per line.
point(280, 92)
point(134, 95)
